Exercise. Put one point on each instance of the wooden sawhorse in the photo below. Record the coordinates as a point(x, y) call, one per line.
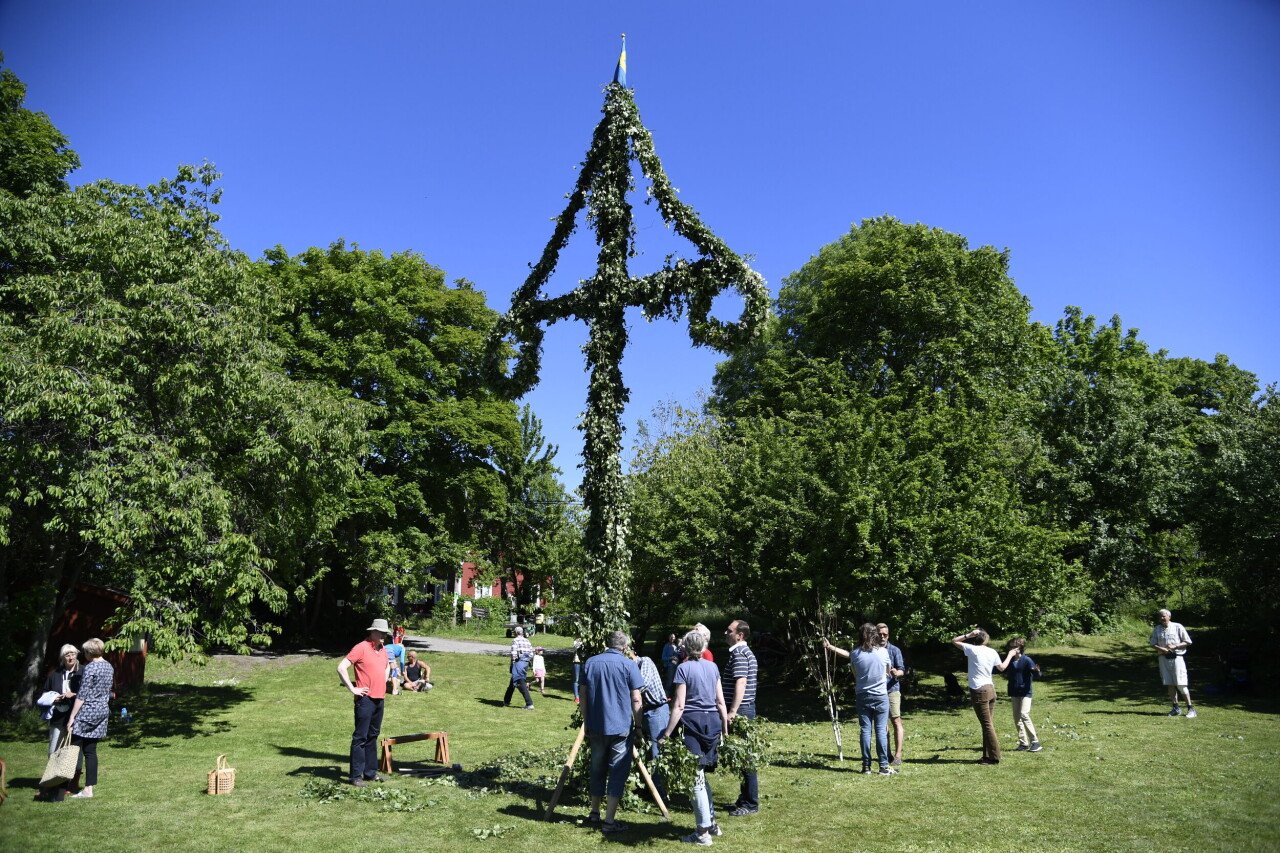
point(442, 748)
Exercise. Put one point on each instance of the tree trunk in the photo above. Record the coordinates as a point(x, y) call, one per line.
point(60, 578)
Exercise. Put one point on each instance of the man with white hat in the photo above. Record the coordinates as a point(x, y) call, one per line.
point(372, 670)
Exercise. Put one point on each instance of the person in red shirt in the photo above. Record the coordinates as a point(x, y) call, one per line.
point(372, 670)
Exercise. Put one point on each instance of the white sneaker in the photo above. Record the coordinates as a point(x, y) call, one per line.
point(700, 838)
point(1175, 711)
point(1191, 713)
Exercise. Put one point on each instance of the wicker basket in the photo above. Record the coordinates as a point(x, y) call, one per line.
point(222, 779)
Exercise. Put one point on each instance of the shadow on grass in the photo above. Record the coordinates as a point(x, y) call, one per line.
point(334, 766)
point(164, 713)
point(492, 703)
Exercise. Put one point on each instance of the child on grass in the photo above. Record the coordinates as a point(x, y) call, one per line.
point(1021, 672)
point(540, 670)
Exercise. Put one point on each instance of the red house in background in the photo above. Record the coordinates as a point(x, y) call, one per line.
point(86, 614)
point(465, 585)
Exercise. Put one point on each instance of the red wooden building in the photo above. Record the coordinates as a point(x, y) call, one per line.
point(85, 617)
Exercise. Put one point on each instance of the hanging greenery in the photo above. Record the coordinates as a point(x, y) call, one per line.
point(744, 749)
point(679, 287)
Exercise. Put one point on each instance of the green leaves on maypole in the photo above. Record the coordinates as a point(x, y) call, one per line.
point(680, 286)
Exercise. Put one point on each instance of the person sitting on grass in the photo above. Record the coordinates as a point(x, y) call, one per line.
point(1021, 672)
point(417, 675)
point(395, 657)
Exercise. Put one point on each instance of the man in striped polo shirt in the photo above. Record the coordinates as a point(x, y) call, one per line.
point(739, 681)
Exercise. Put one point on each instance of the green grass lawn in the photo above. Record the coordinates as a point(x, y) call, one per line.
point(1115, 773)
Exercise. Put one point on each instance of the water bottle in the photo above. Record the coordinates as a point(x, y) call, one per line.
point(125, 719)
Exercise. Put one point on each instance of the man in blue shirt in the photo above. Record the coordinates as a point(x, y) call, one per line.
point(611, 701)
point(1021, 673)
point(897, 669)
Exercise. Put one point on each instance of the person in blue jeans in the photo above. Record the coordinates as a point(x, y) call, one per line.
point(870, 667)
point(610, 691)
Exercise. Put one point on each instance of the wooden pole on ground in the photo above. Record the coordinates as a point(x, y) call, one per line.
point(566, 770)
point(648, 781)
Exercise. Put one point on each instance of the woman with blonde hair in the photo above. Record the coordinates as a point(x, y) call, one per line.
point(88, 721)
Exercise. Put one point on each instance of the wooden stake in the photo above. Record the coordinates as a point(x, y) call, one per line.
point(566, 771)
point(648, 781)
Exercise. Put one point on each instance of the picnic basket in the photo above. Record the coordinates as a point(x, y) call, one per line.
point(222, 779)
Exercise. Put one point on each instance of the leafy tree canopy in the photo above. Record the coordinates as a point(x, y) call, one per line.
point(149, 439)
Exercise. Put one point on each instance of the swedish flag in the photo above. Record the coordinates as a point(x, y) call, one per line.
point(620, 73)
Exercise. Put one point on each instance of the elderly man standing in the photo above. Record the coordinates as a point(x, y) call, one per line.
point(1170, 640)
point(611, 686)
point(897, 669)
point(739, 681)
point(521, 657)
point(369, 657)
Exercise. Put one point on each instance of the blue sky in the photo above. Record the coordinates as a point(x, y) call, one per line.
point(1124, 152)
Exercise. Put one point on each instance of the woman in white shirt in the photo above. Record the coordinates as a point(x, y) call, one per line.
point(982, 690)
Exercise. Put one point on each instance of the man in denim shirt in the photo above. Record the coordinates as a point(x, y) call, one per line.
point(611, 700)
point(897, 669)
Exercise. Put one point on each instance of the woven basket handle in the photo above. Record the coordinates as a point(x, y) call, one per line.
point(221, 763)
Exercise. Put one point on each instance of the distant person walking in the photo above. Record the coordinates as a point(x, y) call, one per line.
point(982, 661)
point(897, 669)
point(1021, 672)
point(740, 681)
point(369, 657)
point(89, 713)
point(521, 658)
point(870, 671)
point(611, 685)
point(1170, 640)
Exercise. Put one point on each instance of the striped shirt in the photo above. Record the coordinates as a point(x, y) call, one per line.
point(521, 648)
point(742, 664)
point(652, 694)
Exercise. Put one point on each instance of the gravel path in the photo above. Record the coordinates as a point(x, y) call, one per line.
point(469, 647)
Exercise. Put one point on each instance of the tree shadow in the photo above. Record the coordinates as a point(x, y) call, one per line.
point(162, 713)
point(333, 767)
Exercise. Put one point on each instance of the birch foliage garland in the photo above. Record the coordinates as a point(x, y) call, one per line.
point(679, 287)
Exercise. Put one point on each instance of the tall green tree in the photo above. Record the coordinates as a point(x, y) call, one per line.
point(522, 535)
point(388, 333)
point(885, 440)
point(149, 439)
point(33, 152)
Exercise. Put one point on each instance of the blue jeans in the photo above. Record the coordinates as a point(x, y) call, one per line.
point(364, 740)
point(611, 756)
point(874, 710)
point(749, 793)
point(655, 723)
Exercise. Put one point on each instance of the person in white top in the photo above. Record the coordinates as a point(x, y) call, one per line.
point(982, 690)
point(1170, 640)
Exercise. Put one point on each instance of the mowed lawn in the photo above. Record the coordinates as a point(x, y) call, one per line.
point(1115, 773)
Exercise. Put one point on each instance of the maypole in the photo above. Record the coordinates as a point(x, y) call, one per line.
point(679, 287)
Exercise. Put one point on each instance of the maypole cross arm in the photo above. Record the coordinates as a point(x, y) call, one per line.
point(679, 287)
